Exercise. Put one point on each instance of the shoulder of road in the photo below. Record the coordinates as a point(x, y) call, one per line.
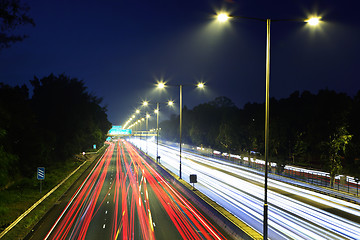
point(61, 200)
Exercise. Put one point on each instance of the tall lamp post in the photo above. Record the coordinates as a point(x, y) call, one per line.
point(145, 104)
point(157, 132)
point(312, 21)
point(162, 85)
point(147, 129)
point(157, 112)
point(180, 128)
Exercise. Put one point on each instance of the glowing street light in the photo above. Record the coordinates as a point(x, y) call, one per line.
point(313, 21)
point(161, 85)
point(223, 17)
point(201, 85)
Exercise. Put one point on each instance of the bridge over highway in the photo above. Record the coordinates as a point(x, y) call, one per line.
point(133, 133)
point(118, 131)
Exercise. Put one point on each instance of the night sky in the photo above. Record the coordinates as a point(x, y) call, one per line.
point(121, 48)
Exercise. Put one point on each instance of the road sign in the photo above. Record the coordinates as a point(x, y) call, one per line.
point(117, 130)
point(40, 173)
point(193, 179)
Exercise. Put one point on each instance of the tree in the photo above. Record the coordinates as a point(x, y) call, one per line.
point(8, 163)
point(300, 126)
point(336, 147)
point(12, 14)
point(169, 128)
point(17, 120)
point(352, 159)
point(70, 120)
point(227, 138)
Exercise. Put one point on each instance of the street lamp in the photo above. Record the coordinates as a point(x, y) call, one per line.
point(157, 111)
point(157, 132)
point(162, 85)
point(145, 103)
point(223, 17)
point(147, 127)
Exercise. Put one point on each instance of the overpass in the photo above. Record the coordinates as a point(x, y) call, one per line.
point(132, 133)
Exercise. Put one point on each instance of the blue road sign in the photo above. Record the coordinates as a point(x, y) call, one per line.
point(40, 173)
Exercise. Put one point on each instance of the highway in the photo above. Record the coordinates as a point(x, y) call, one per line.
point(123, 197)
point(294, 212)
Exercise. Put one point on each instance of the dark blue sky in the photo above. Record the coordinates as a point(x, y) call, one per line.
point(119, 48)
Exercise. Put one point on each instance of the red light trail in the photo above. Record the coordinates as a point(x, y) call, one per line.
point(132, 182)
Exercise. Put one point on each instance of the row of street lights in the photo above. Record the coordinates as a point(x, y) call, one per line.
point(131, 123)
point(223, 17)
point(162, 85)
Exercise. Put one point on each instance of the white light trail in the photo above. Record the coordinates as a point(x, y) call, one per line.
point(294, 212)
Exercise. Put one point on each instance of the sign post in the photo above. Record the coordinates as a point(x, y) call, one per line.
point(40, 175)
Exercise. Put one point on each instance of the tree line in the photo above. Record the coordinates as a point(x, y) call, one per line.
point(59, 120)
point(318, 131)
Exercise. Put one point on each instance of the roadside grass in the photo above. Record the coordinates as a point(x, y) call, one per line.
point(22, 195)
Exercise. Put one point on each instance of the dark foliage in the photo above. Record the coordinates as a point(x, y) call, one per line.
point(303, 127)
point(60, 120)
point(13, 14)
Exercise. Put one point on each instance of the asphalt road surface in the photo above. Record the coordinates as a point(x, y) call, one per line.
point(123, 197)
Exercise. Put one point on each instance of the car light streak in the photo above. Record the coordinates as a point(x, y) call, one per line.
point(177, 207)
point(122, 179)
point(294, 212)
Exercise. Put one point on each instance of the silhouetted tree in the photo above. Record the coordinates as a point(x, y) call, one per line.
point(335, 151)
point(70, 119)
point(16, 127)
point(13, 13)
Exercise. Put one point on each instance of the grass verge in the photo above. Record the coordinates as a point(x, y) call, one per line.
point(22, 195)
